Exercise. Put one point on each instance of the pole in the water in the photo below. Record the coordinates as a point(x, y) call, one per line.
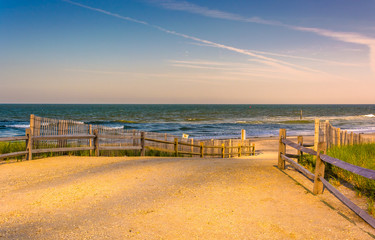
point(301, 115)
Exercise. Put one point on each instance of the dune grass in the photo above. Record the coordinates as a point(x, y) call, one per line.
point(362, 155)
point(17, 146)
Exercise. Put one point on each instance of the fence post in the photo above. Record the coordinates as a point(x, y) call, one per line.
point(300, 153)
point(327, 137)
point(134, 140)
point(176, 147)
point(359, 138)
point(282, 149)
point(143, 149)
point(230, 148)
point(32, 122)
point(345, 137)
point(223, 150)
point(90, 140)
point(239, 150)
point(96, 143)
point(316, 135)
point(192, 143)
point(319, 170)
point(202, 149)
point(253, 152)
point(351, 139)
point(243, 135)
point(59, 132)
point(29, 144)
point(338, 136)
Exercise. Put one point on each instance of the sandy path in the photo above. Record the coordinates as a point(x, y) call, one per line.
point(167, 198)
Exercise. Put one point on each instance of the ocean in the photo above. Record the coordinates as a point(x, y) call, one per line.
point(204, 121)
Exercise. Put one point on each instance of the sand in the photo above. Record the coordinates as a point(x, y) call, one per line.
point(168, 198)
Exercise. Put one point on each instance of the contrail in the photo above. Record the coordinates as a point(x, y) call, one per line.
point(266, 60)
point(347, 37)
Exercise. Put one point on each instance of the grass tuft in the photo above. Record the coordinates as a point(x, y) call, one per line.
point(362, 155)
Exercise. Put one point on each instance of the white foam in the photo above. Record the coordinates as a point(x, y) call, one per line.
point(369, 115)
point(19, 126)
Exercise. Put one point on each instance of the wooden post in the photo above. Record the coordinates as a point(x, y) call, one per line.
point(301, 115)
point(327, 138)
point(165, 139)
point(300, 153)
point(351, 138)
point(202, 149)
point(239, 150)
point(90, 140)
point(282, 149)
point(134, 140)
point(319, 170)
point(345, 137)
point(176, 147)
point(223, 150)
point(29, 144)
point(243, 135)
point(32, 122)
point(143, 148)
point(359, 138)
point(192, 143)
point(59, 131)
point(96, 143)
point(230, 148)
point(316, 135)
point(253, 152)
point(338, 137)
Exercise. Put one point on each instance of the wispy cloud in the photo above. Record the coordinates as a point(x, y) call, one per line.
point(354, 38)
point(250, 70)
point(289, 67)
point(325, 61)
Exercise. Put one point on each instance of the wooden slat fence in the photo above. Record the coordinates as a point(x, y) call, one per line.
point(52, 135)
point(318, 176)
point(333, 136)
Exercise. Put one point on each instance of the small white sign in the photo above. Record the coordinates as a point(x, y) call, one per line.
point(185, 136)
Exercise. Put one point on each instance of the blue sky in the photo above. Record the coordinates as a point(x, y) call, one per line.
point(171, 51)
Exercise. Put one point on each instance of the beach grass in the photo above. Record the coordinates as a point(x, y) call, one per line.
point(14, 146)
point(362, 155)
point(17, 146)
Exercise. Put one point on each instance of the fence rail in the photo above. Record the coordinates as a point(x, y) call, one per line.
point(318, 176)
point(52, 135)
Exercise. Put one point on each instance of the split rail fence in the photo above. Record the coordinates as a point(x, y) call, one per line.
point(47, 135)
point(318, 175)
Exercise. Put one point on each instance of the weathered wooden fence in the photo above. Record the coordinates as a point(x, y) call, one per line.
point(333, 136)
point(318, 176)
point(47, 135)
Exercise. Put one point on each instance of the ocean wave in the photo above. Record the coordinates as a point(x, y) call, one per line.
point(249, 122)
point(369, 115)
point(297, 122)
point(126, 121)
point(185, 128)
point(18, 126)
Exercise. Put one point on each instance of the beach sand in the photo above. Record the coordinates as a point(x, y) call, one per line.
point(169, 198)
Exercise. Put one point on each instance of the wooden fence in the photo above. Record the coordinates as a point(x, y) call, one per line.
point(333, 136)
point(318, 176)
point(51, 135)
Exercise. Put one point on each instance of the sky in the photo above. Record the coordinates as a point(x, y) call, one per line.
point(197, 52)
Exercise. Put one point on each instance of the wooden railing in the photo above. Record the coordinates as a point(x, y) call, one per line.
point(318, 176)
point(140, 143)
